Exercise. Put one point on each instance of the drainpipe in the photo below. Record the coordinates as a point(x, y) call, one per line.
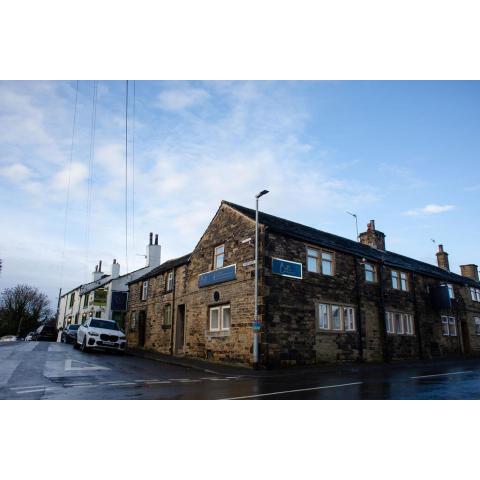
point(416, 316)
point(174, 320)
point(383, 326)
point(359, 310)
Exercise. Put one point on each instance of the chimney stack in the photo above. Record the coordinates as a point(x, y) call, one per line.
point(153, 252)
point(373, 238)
point(442, 259)
point(115, 269)
point(470, 271)
point(97, 274)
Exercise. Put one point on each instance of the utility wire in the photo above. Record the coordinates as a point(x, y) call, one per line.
point(67, 202)
point(90, 170)
point(126, 177)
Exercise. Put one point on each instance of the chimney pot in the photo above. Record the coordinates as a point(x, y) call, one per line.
point(100, 266)
point(156, 239)
point(150, 242)
point(440, 248)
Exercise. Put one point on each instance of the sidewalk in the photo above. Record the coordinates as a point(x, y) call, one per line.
point(342, 368)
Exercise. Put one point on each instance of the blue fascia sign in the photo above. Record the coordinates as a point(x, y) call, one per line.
point(220, 275)
point(287, 268)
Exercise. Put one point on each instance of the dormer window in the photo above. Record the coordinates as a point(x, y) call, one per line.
point(219, 256)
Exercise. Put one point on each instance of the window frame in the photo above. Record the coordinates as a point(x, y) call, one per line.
point(72, 300)
point(476, 324)
point(324, 319)
point(167, 320)
point(373, 271)
point(144, 291)
point(220, 309)
point(217, 255)
point(319, 260)
point(405, 321)
point(447, 322)
point(169, 281)
point(400, 277)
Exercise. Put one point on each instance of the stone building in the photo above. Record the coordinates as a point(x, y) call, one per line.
point(322, 298)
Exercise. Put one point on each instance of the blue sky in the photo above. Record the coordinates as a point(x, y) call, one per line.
point(403, 153)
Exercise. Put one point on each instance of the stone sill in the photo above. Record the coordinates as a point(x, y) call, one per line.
point(219, 334)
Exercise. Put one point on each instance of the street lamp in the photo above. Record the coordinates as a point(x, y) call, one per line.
point(256, 325)
point(356, 221)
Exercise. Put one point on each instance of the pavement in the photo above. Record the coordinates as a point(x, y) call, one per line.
point(49, 370)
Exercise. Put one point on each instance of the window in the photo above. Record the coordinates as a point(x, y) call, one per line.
point(220, 318)
point(336, 320)
point(219, 256)
point(167, 314)
point(399, 280)
point(370, 273)
point(72, 299)
point(399, 323)
point(133, 322)
point(451, 293)
point(476, 321)
point(170, 281)
point(336, 317)
point(320, 261)
point(389, 322)
point(349, 318)
point(312, 260)
point(327, 263)
point(323, 316)
point(449, 326)
point(144, 290)
point(85, 300)
point(475, 293)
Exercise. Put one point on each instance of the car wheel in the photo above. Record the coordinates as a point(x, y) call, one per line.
point(84, 347)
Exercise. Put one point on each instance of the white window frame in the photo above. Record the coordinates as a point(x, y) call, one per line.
point(389, 322)
point(451, 291)
point(451, 326)
point(220, 309)
point(349, 319)
point(409, 326)
point(170, 281)
point(340, 314)
point(145, 290)
point(403, 280)
point(331, 262)
point(399, 327)
point(218, 255)
point(476, 323)
point(395, 276)
point(167, 321)
point(370, 268)
point(473, 294)
point(321, 322)
point(315, 256)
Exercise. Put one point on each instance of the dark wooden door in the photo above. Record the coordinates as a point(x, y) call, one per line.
point(180, 329)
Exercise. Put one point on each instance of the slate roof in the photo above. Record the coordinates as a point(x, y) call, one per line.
point(164, 267)
point(335, 242)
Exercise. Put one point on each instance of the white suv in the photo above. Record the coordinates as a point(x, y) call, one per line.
point(100, 333)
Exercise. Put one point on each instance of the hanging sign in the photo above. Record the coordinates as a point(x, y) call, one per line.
point(219, 275)
point(286, 268)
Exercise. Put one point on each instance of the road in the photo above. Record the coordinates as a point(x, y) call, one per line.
point(46, 370)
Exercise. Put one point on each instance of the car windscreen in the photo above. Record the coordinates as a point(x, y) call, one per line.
point(104, 324)
point(73, 327)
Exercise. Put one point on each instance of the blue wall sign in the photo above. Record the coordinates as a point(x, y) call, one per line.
point(286, 268)
point(220, 275)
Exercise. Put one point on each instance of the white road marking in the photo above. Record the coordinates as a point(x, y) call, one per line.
point(124, 384)
point(293, 391)
point(443, 374)
point(215, 379)
point(154, 382)
point(77, 384)
point(21, 392)
point(27, 388)
point(112, 382)
point(149, 380)
point(89, 366)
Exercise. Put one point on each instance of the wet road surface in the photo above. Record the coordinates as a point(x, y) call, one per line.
point(45, 370)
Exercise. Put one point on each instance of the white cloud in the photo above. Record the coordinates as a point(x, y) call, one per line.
point(430, 209)
point(16, 172)
point(181, 98)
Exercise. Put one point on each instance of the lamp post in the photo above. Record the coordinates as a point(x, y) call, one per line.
point(356, 221)
point(255, 319)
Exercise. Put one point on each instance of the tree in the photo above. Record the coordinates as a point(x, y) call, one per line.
point(21, 309)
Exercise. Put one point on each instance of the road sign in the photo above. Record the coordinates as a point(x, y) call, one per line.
point(256, 326)
point(287, 268)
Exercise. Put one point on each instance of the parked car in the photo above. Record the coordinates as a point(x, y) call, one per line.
point(29, 337)
point(100, 333)
point(8, 338)
point(69, 334)
point(45, 333)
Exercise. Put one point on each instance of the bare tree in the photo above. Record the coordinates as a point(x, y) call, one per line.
point(22, 308)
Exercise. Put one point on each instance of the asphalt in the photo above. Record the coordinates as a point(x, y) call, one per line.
point(47, 370)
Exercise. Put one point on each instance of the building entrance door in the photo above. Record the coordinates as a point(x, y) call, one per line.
point(180, 329)
point(142, 321)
